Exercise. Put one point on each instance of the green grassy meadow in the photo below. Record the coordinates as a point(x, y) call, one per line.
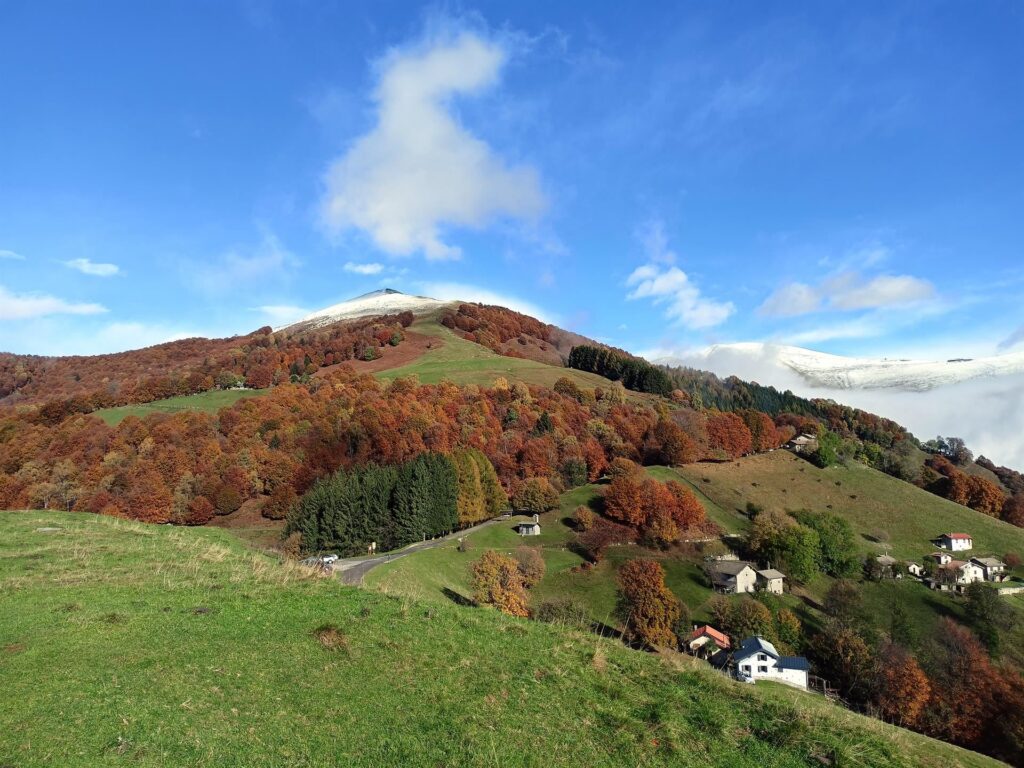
point(132, 645)
point(210, 401)
point(466, 362)
point(870, 500)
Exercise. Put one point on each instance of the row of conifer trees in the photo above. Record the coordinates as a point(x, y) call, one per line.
point(428, 496)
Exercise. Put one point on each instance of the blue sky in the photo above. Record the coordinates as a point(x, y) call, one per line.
point(661, 176)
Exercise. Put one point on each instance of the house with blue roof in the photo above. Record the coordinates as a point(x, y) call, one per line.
point(757, 659)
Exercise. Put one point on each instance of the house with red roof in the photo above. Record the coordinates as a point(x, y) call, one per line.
point(955, 542)
point(707, 640)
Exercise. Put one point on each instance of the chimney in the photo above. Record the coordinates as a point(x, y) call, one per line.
point(536, 517)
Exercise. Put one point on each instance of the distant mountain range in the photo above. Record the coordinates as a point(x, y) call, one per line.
point(980, 399)
point(820, 369)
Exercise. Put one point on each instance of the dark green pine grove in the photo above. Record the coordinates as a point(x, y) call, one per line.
point(393, 506)
point(634, 373)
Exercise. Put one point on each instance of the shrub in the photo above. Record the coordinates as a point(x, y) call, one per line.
point(566, 611)
point(531, 565)
point(583, 518)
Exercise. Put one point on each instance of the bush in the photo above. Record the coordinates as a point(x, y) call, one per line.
point(566, 611)
point(583, 518)
point(531, 565)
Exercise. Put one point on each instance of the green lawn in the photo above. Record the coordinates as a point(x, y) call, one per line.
point(127, 644)
point(210, 401)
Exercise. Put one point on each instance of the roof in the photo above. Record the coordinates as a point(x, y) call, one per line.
point(955, 536)
point(794, 662)
point(989, 562)
point(752, 645)
point(528, 524)
point(730, 567)
point(886, 560)
point(771, 573)
point(721, 639)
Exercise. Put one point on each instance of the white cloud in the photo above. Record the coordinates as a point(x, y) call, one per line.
point(655, 242)
point(270, 260)
point(673, 287)
point(882, 291)
point(5, 254)
point(994, 428)
point(848, 291)
point(87, 267)
point(1012, 340)
point(791, 300)
point(363, 269)
point(463, 292)
point(281, 314)
point(27, 306)
point(418, 170)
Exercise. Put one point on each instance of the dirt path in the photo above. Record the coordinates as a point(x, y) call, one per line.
point(352, 570)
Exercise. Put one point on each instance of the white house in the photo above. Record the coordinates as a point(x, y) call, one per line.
point(803, 444)
point(528, 528)
point(771, 580)
point(955, 542)
point(914, 569)
point(707, 639)
point(732, 576)
point(993, 568)
point(958, 574)
point(756, 659)
point(942, 558)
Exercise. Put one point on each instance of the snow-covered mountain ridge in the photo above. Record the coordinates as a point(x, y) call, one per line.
point(383, 302)
point(838, 372)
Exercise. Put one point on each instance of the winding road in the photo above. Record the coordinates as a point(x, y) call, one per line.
point(352, 570)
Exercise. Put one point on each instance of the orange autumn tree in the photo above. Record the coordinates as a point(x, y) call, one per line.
point(663, 511)
point(648, 609)
point(901, 687)
point(497, 580)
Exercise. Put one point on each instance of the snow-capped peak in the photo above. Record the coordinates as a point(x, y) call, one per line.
point(386, 301)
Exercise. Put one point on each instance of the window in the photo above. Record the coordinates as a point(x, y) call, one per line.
point(762, 657)
point(763, 670)
point(746, 668)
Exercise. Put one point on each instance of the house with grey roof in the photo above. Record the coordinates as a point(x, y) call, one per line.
point(992, 568)
point(757, 659)
point(732, 577)
point(771, 580)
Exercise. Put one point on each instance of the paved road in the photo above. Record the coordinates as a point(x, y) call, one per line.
point(352, 570)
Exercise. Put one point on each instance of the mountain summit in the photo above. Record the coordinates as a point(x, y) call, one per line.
point(386, 301)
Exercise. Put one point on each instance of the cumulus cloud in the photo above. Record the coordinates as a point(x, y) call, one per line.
point(418, 171)
point(682, 299)
point(15, 306)
point(363, 269)
point(5, 254)
point(87, 267)
point(847, 292)
point(446, 291)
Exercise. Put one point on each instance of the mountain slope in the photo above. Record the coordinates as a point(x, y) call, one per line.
point(178, 647)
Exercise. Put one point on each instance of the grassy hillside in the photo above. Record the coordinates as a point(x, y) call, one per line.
point(127, 644)
point(213, 400)
point(873, 502)
point(465, 362)
point(441, 574)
